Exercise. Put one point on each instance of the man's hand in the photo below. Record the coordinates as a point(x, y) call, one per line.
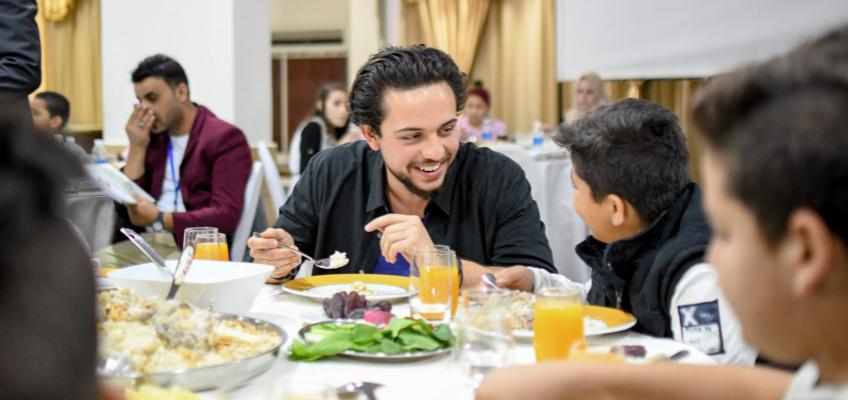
point(143, 212)
point(265, 250)
point(517, 277)
point(401, 234)
point(139, 126)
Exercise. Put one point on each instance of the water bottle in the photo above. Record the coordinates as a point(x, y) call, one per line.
point(98, 152)
point(487, 130)
point(538, 136)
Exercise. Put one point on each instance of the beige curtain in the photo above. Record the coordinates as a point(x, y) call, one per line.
point(70, 48)
point(454, 27)
point(517, 62)
point(56, 10)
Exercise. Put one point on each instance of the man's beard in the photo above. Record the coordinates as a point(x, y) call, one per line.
point(407, 183)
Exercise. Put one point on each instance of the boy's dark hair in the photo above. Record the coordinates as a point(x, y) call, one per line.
point(631, 148)
point(56, 105)
point(781, 129)
point(160, 66)
point(400, 68)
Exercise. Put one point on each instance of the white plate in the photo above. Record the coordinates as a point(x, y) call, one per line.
point(380, 291)
point(318, 288)
point(602, 320)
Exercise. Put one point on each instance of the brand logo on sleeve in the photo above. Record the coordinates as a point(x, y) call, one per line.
point(700, 326)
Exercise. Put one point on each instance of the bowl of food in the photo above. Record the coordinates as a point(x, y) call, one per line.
point(171, 342)
point(226, 287)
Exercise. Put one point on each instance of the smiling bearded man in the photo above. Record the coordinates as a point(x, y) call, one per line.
point(409, 184)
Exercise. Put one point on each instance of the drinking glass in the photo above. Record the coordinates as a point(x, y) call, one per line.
point(484, 339)
point(455, 282)
point(558, 323)
point(430, 275)
point(190, 234)
point(206, 247)
point(223, 250)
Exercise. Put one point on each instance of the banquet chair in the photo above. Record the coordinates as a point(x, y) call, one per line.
point(252, 197)
point(272, 176)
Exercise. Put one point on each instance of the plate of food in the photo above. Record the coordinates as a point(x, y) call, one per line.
point(596, 320)
point(376, 286)
point(174, 343)
point(400, 340)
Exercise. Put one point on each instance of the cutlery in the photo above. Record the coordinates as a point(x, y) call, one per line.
point(490, 280)
point(146, 248)
point(323, 263)
point(180, 272)
point(367, 388)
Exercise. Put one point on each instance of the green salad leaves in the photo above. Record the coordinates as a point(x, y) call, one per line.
point(399, 336)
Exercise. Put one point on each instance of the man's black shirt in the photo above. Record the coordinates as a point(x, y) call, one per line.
point(483, 210)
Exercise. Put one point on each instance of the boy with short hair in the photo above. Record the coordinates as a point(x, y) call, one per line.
point(776, 186)
point(50, 112)
point(649, 234)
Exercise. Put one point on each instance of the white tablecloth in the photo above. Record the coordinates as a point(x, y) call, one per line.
point(428, 379)
point(548, 169)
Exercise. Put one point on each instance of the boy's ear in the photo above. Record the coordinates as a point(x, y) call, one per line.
point(807, 250)
point(617, 208)
point(56, 123)
point(370, 136)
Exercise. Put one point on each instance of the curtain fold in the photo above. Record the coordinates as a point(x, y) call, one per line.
point(56, 10)
point(71, 59)
point(517, 62)
point(454, 27)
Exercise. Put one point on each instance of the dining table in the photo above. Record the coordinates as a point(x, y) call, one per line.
point(437, 377)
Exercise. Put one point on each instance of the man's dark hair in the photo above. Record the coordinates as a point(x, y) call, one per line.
point(781, 130)
point(160, 66)
point(632, 148)
point(56, 105)
point(400, 68)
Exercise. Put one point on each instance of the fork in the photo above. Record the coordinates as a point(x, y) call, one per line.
point(323, 263)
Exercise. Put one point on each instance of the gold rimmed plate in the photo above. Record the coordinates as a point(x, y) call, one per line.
point(597, 320)
point(319, 287)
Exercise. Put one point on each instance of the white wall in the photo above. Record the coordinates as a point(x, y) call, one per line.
point(222, 44)
point(363, 34)
point(308, 15)
point(623, 39)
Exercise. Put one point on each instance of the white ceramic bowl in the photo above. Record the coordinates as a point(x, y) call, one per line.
point(230, 287)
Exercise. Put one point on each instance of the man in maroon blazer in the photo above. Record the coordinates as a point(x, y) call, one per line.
point(193, 163)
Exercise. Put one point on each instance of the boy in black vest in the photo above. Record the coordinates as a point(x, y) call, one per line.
point(775, 182)
point(649, 234)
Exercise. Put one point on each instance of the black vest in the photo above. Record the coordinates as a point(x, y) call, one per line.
point(639, 274)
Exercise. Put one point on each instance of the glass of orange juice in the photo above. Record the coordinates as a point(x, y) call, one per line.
point(206, 247)
point(190, 234)
point(558, 323)
point(223, 250)
point(430, 276)
point(454, 275)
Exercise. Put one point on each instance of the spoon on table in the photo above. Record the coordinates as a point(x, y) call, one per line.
point(323, 263)
point(489, 279)
point(366, 388)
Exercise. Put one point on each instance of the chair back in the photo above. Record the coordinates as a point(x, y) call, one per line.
point(252, 195)
point(272, 176)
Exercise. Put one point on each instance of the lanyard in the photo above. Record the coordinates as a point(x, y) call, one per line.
point(173, 174)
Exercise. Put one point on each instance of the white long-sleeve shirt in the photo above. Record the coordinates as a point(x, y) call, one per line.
point(700, 314)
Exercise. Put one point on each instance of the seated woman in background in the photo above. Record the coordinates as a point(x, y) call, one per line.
point(588, 94)
point(325, 128)
point(475, 117)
